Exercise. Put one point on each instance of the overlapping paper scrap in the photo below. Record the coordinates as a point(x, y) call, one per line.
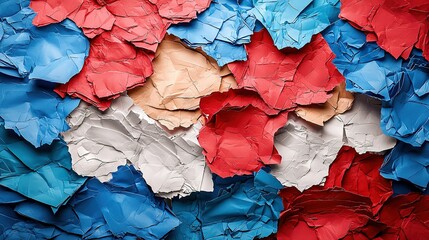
point(214, 119)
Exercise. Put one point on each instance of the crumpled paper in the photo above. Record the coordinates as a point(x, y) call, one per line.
point(33, 110)
point(307, 150)
point(181, 77)
point(408, 163)
point(43, 174)
point(238, 137)
point(401, 84)
point(54, 53)
point(327, 214)
point(221, 30)
point(173, 165)
point(287, 79)
point(340, 102)
point(407, 217)
point(292, 23)
point(124, 208)
point(396, 25)
point(360, 174)
point(113, 66)
point(243, 207)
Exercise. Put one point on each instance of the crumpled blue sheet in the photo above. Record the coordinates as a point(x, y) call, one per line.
point(221, 30)
point(292, 23)
point(33, 110)
point(44, 174)
point(402, 85)
point(54, 53)
point(124, 207)
point(243, 207)
point(408, 163)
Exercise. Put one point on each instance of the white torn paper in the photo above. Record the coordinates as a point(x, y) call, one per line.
point(307, 150)
point(99, 142)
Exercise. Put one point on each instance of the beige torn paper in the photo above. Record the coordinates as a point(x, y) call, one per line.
point(308, 150)
point(181, 77)
point(99, 142)
point(340, 102)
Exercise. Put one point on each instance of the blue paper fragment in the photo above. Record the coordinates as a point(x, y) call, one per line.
point(124, 208)
point(33, 110)
point(43, 174)
point(243, 207)
point(292, 23)
point(407, 163)
point(53, 53)
point(221, 30)
point(402, 85)
point(403, 187)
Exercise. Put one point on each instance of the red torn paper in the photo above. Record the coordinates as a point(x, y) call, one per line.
point(238, 137)
point(396, 25)
point(407, 217)
point(326, 215)
point(285, 79)
point(113, 66)
point(360, 174)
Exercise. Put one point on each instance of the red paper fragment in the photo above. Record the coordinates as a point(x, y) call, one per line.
point(238, 137)
point(360, 174)
point(396, 25)
point(407, 217)
point(113, 66)
point(329, 214)
point(285, 79)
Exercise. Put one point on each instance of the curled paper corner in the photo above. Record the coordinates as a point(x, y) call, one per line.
point(172, 164)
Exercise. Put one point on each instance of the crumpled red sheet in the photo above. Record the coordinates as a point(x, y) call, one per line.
point(326, 214)
point(407, 217)
point(285, 79)
point(360, 174)
point(113, 65)
point(238, 137)
point(396, 25)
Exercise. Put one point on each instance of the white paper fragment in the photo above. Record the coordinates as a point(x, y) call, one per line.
point(99, 142)
point(308, 150)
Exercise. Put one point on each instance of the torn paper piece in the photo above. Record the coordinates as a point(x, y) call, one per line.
point(397, 26)
point(327, 214)
point(401, 84)
point(142, 23)
point(245, 207)
point(100, 142)
point(33, 110)
point(113, 66)
point(221, 30)
point(338, 103)
point(360, 174)
point(308, 150)
point(292, 23)
point(408, 163)
point(407, 217)
point(238, 137)
point(125, 207)
point(181, 77)
point(287, 79)
point(54, 53)
point(43, 174)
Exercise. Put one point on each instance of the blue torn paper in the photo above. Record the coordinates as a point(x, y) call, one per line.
point(33, 110)
point(407, 163)
point(54, 53)
point(242, 207)
point(402, 85)
point(292, 23)
point(124, 207)
point(44, 174)
point(221, 30)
